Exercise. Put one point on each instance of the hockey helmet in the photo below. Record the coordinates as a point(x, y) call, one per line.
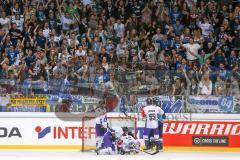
point(125, 129)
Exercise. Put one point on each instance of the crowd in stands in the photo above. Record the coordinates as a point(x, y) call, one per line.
point(173, 47)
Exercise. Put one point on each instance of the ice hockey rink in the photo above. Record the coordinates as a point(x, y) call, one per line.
point(74, 155)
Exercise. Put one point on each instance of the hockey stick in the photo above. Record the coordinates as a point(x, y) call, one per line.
point(150, 153)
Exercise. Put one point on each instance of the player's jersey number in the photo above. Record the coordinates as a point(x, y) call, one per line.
point(152, 117)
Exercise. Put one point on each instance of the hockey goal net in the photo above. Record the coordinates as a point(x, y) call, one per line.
point(116, 123)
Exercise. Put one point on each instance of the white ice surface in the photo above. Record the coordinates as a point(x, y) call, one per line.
point(71, 155)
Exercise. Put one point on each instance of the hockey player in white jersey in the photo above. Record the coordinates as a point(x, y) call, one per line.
point(152, 133)
point(127, 143)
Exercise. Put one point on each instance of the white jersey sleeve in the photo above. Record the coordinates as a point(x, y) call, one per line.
point(102, 120)
point(152, 112)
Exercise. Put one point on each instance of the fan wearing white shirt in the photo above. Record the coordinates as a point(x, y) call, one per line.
point(72, 38)
point(119, 29)
point(66, 21)
point(57, 36)
point(191, 49)
point(5, 22)
point(80, 51)
point(66, 56)
point(206, 27)
point(205, 86)
point(19, 20)
point(46, 30)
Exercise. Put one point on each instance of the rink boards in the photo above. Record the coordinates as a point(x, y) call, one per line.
point(46, 131)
